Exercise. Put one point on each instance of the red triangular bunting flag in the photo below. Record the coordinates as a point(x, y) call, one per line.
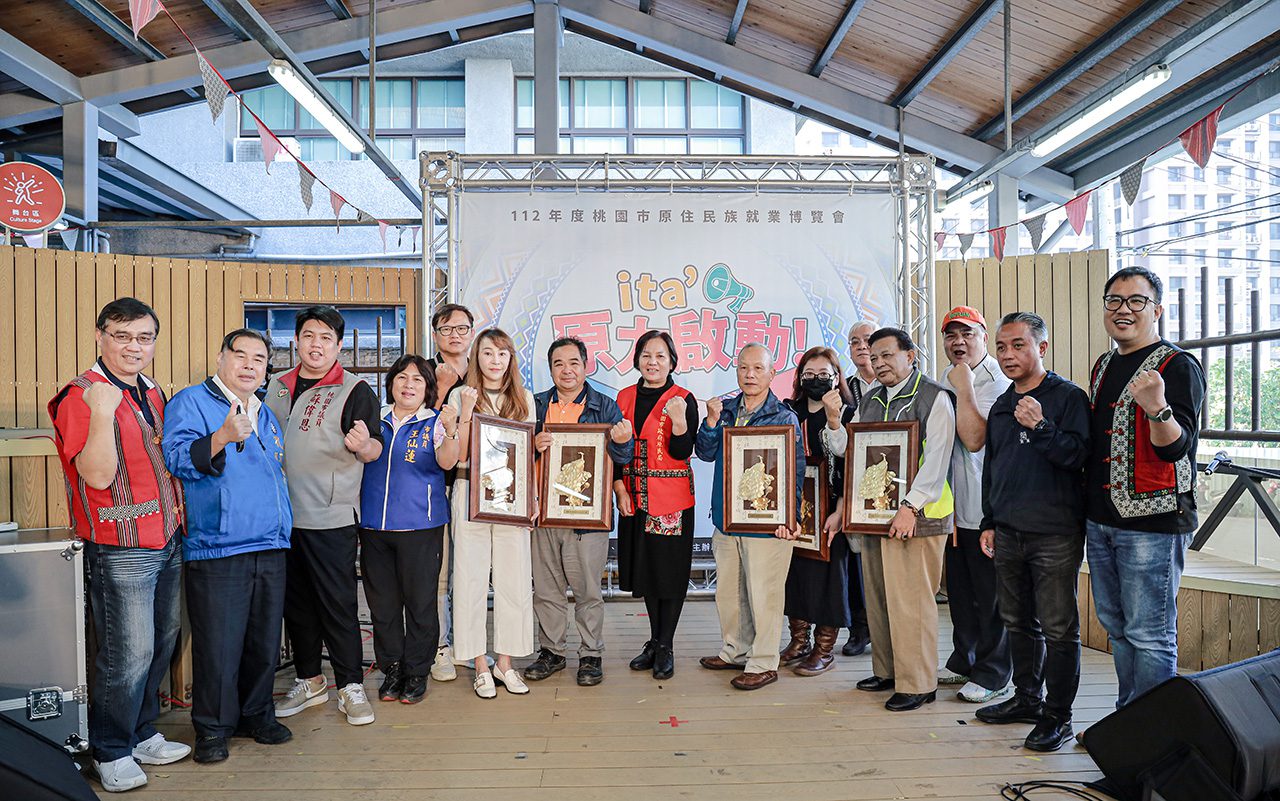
point(1198, 140)
point(271, 146)
point(382, 232)
point(141, 12)
point(939, 238)
point(997, 243)
point(1077, 209)
point(336, 201)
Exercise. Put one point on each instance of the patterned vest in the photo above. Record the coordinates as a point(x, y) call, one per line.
point(659, 483)
point(1142, 483)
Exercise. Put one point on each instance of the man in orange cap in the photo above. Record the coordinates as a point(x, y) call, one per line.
point(980, 658)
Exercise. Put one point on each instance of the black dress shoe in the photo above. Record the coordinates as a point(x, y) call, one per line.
point(544, 666)
point(1015, 710)
point(273, 733)
point(1050, 734)
point(905, 702)
point(392, 682)
point(664, 663)
point(875, 684)
point(590, 671)
point(415, 687)
point(645, 660)
point(210, 749)
point(856, 645)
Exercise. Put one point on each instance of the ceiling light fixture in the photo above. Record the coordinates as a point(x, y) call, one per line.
point(317, 106)
point(1121, 98)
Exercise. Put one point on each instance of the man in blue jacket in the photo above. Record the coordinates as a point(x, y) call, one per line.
point(564, 557)
point(226, 446)
point(751, 569)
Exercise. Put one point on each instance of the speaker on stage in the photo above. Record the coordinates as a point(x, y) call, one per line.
point(34, 768)
point(1210, 736)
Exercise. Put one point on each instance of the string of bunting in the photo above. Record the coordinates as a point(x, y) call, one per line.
point(1198, 140)
point(216, 91)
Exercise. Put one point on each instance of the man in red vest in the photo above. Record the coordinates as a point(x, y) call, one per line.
point(125, 505)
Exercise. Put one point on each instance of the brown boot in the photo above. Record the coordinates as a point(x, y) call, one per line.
point(798, 648)
point(820, 659)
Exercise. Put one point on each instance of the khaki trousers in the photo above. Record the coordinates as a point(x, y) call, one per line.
point(563, 559)
point(478, 549)
point(900, 578)
point(751, 579)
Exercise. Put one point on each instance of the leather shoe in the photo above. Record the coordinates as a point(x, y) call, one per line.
point(413, 690)
point(664, 663)
point(1016, 710)
point(875, 684)
point(857, 644)
point(1050, 734)
point(716, 663)
point(392, 684)
point(590, 671)
point(645, 660)
point(544, 666)
point(273, 733)
point(905, 702)
point(210, 749)
point(754, 681)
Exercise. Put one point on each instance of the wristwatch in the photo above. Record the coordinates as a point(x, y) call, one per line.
point(1044, 421)
point(908, 505)
point(1161, 416)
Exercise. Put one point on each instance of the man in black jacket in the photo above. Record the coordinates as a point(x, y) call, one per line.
point(1033, 526)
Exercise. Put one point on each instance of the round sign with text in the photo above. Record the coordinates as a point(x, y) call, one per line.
point(31, 199)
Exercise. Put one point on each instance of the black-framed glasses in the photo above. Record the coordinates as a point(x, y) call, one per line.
point(124, 337)
point(1135, 303)
point(450, 330)
point(825, 376)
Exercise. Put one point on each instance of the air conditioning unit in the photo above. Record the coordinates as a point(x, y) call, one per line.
point(249, 148)
point(1253, 127)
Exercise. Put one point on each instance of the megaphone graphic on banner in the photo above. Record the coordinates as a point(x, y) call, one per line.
point(720, 285)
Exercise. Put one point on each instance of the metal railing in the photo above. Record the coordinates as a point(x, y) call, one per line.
point(384, 347)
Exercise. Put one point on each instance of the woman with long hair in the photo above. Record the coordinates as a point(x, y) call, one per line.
point(817, 593)
point(492, 387)
point(403, 512)
point(655, 523)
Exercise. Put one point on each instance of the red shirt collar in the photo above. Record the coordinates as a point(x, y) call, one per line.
point(290, 379)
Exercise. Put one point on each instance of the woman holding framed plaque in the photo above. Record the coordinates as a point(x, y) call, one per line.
point(495, 416)
point(655, 523)
point(817, 591)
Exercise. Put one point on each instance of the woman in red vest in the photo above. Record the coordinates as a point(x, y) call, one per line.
point(655, 524)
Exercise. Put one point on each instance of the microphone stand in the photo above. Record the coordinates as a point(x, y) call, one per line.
point(1248, 479)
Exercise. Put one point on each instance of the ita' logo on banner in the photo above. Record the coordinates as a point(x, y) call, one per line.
point(31, 199)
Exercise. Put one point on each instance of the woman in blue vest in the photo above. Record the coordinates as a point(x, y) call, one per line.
point(403, 511)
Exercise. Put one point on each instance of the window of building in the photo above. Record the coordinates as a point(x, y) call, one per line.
point(1250, 147)
point(1274, 121)
point(1226, 144)
point(1225, 255)
point(1223, 229)
point(1197, 202)
point(1275, 230)
point(1177, 229)
point(1177, 202)
point(1201, 255)
point(438, 124)
point(1275, 257)
point(1177, 256)
point(830, 139)
point(1177, 174)
point(1197, 174)
point(1225, 199)
point(642, 115)
point(1273, 148)
point(1200, 228)
point(1224, 174)
point(1275, 285)
point(1176, 283)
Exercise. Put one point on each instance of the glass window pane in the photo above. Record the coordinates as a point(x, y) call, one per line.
point(273, 104)
point(716, 145)
point(524, 102)
point(321, 148)
point(660, 104)
point(438, 144)
point(340, 90)
point(599, 144)
point(394, 103)
point(599, 104)
point(661, 144)
point(524, 145)
point(715, 107)
point(564, 103)
point(441, 104)
point(397, 148)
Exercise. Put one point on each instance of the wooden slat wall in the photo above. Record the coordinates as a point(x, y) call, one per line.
point(1059, 287)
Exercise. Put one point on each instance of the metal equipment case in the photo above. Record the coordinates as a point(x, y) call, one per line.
point(42, 634)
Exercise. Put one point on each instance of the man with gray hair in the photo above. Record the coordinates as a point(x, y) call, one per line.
point(1033, 526)
point(860, 382)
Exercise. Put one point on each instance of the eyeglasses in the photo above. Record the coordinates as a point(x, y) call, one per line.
point(124, 337)
point(450, 330)
point(825, 376)
point(1134, 303)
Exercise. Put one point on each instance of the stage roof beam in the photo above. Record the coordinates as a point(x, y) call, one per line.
point(837, 36)
point(958, 41)
point(736, 22)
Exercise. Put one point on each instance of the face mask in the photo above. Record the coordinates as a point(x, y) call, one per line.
point(815, 388)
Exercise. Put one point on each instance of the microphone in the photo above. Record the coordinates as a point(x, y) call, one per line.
point(240, 444)
point(1219, 459)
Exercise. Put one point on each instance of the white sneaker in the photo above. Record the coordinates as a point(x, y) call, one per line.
point(119, 774)
point(484, 686)
point(353, 703)
point(442, 669)
point(304, 694)
point(947, 677)
point(156, 750)
point(977, 694)
point(512, 681)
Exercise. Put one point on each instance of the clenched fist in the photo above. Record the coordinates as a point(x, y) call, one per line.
point(833, 404)
point(449, 420)
point(1028, 412)
point(446, 377)
point(468, 397)
point(714, 407)
point(621, 432)
point(357, 437)
point(542, 441)
point(237, 427)
point(1147, 388)
point(102, 398)
point(678, 410)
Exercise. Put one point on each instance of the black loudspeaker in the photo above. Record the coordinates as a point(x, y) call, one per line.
point(34, 768)
point(1211, 736)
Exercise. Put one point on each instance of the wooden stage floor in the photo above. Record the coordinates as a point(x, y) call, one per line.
point(813, 738)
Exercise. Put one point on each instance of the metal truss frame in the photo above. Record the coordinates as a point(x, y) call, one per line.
point(909, 179)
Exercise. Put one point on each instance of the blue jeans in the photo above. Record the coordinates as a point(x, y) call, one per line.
point(1134, 576)
point(133, 593)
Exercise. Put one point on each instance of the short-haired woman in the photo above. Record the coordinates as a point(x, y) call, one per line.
point(655, 523)
point(403, 512)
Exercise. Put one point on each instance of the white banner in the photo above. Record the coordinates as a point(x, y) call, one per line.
point(716, 271)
